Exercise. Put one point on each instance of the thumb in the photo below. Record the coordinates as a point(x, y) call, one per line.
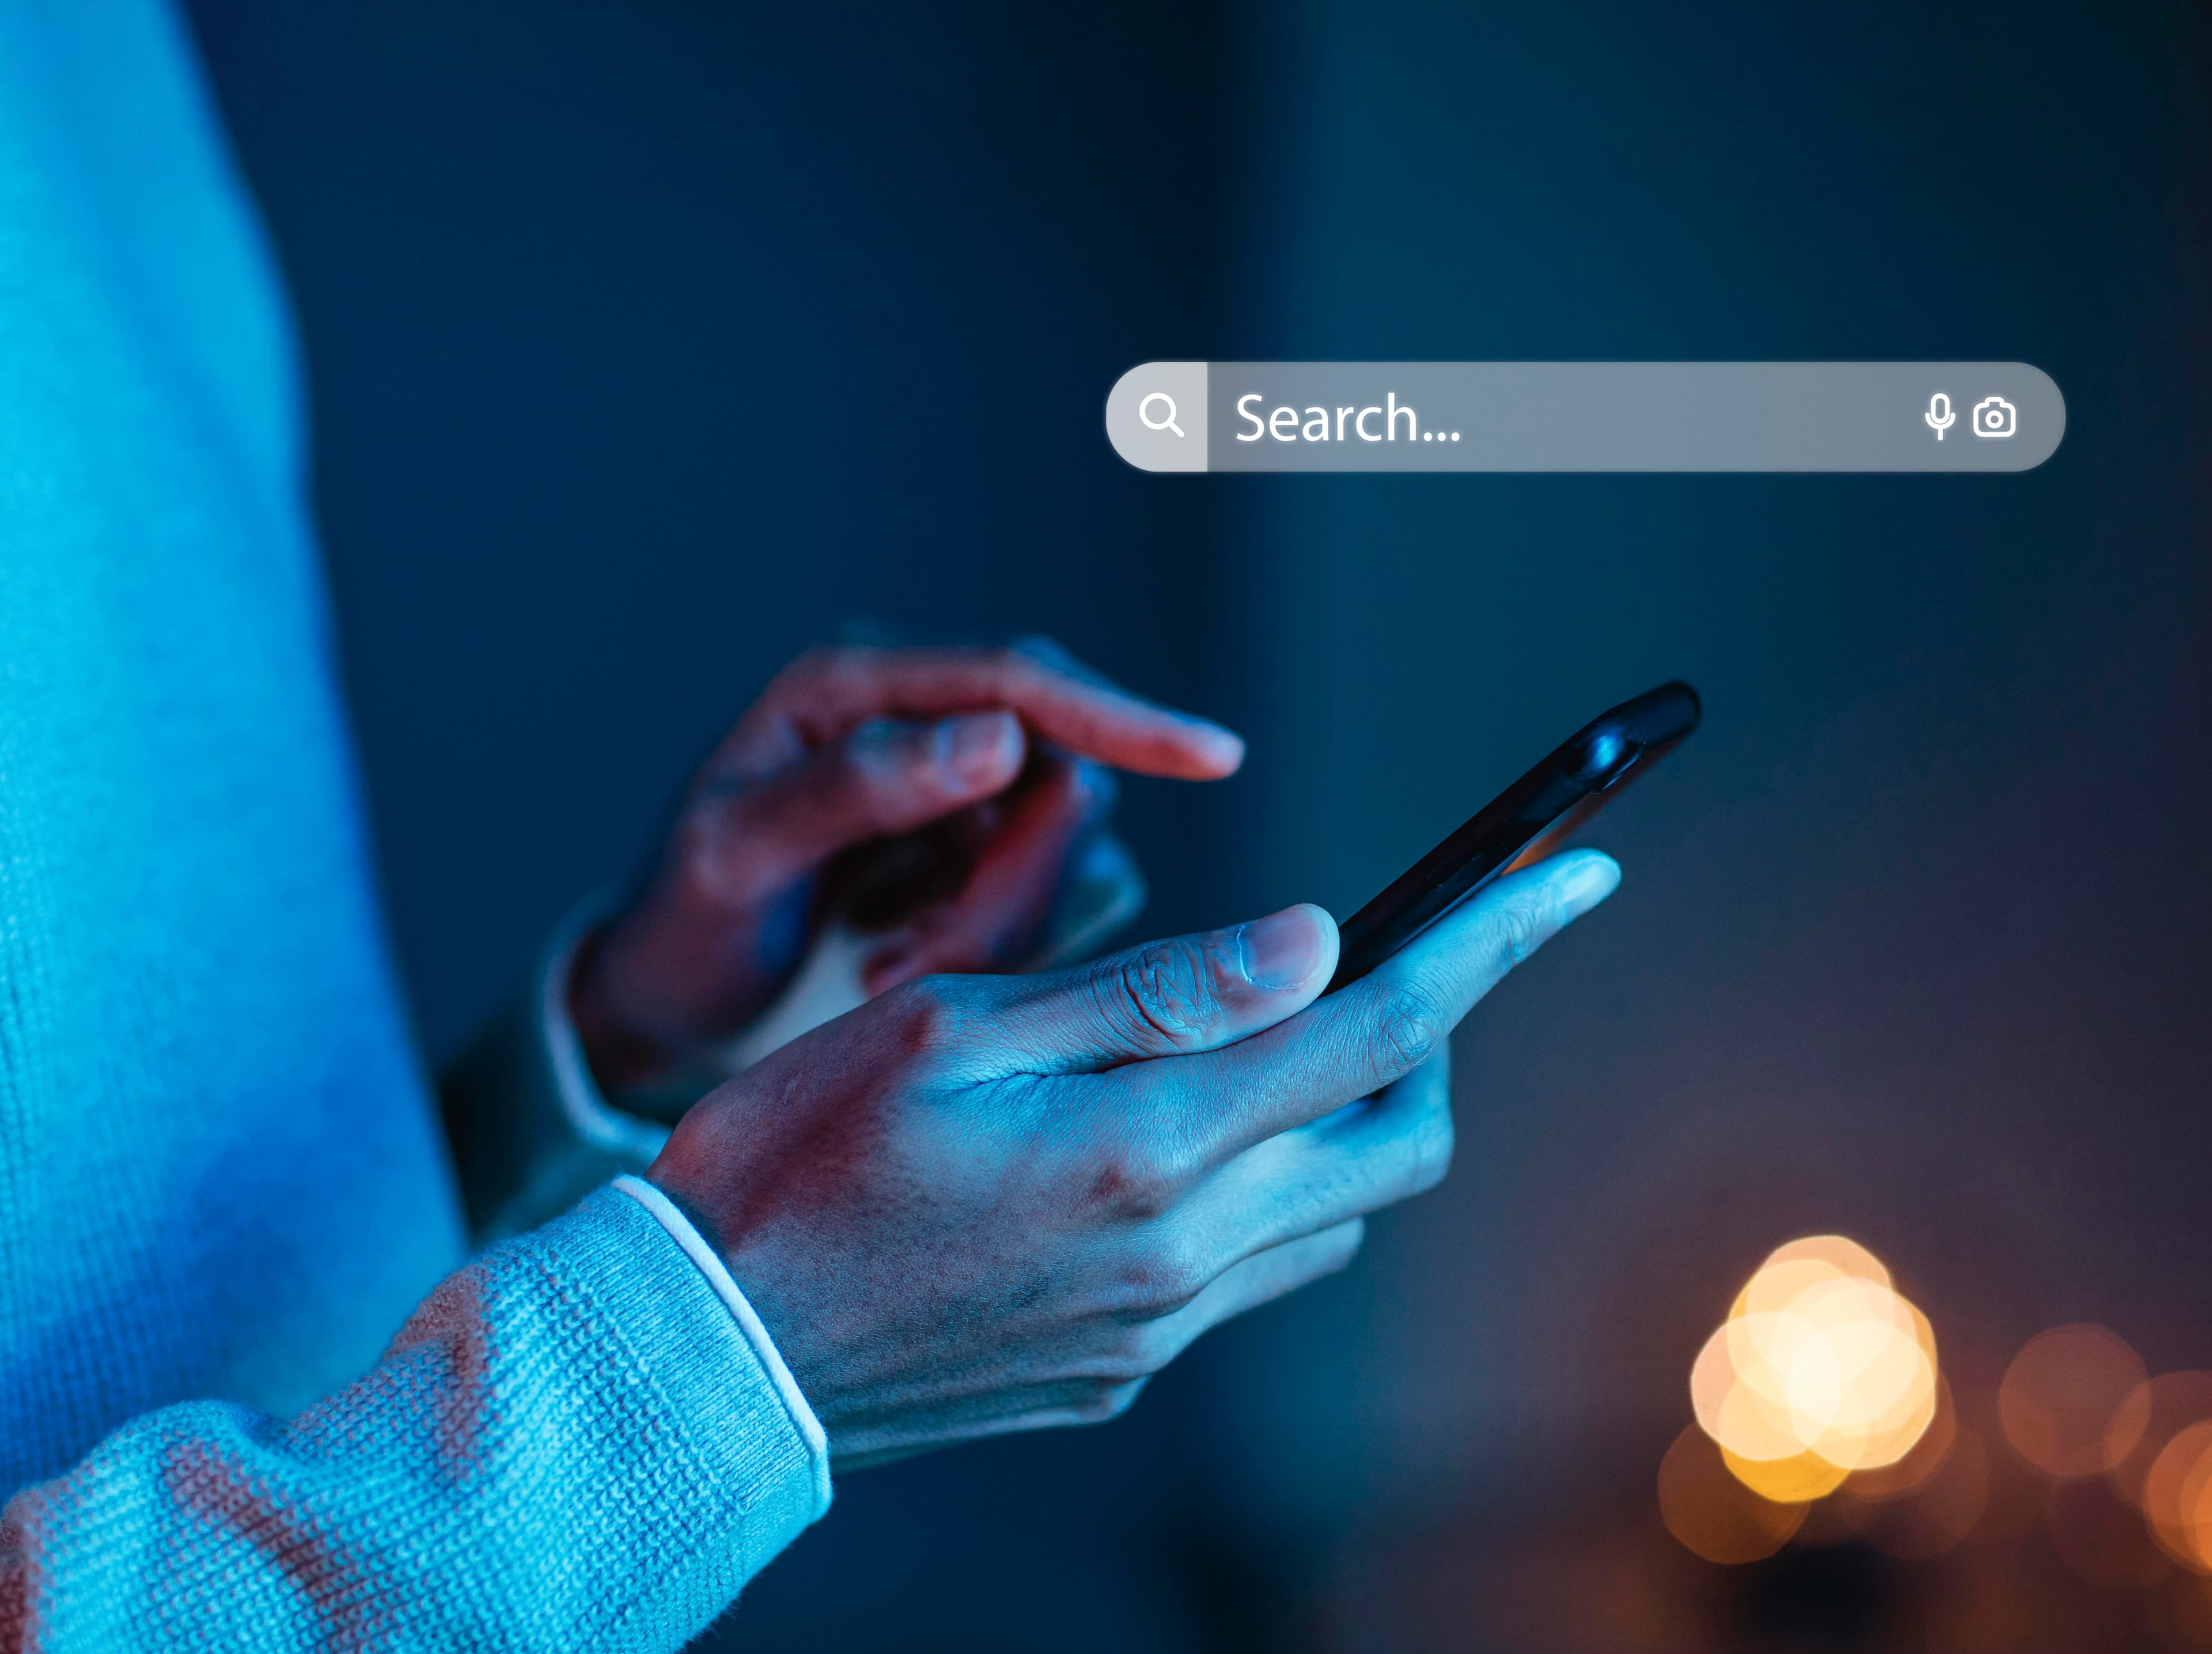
point(1186, 994)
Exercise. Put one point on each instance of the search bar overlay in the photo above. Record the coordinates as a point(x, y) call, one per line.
point(1585, 416)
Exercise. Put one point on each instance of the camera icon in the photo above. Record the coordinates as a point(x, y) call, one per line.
point(1994, 416)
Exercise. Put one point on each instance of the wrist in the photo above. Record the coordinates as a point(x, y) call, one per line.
point(621, 1056)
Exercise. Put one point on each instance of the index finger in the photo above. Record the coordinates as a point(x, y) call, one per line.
point(827, 692)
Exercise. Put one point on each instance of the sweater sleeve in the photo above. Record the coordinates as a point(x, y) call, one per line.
point(574, 1443)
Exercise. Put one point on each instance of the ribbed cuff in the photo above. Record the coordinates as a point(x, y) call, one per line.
point(756, 1335)
point(744, 1425)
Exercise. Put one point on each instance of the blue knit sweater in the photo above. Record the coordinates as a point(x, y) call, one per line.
point(224, 1419)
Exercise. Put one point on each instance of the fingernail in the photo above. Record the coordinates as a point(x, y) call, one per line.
point(1227, 745)
point(1587, 882)
point(1280, 951)
point(977, 746)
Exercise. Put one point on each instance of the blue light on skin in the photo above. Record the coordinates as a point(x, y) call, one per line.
point(1605, 751)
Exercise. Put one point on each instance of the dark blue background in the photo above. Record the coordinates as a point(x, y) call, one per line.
point(652, 342)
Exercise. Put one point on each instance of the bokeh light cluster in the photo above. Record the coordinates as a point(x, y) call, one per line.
point(1822, 1416)
point(1821, 1368)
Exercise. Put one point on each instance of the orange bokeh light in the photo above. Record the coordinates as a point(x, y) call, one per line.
point(2174, 1497)
point(1936, 1514)
point(2168, 1404)
point(1798, 1480)
point(1822, 1368)
point(1823, 1382)
point(1839, 1252)
point(1712, 1512)
point(1887, 1481)
point(2073, 1403)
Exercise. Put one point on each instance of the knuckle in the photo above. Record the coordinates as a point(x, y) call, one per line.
point(1330, 1252)
point(1109, 1401)
point(1168, 992)
point(1009, 665)
point(857, 767)
point(1141, 1351)
point(1151, 1347)
point(929, 1013)
point(1041, 645)
point(876, 769)
point(1430, 1149)
point(1410, 1027)
point(823, 662)
point(1135, 1183)
point(1518, 929)
point(853, 668)
point(1162, 1277)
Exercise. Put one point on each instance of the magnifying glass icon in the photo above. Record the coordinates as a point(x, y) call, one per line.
point(1145, 414)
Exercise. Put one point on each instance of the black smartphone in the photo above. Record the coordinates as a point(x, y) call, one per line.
point(1523, 825)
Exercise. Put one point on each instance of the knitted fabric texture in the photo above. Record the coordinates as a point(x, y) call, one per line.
point(222, 1188)
point(568, 1445)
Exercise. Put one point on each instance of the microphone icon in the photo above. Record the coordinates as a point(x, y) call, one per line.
point(1939, 414)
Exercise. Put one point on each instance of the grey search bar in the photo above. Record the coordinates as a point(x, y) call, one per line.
point(1585, 416)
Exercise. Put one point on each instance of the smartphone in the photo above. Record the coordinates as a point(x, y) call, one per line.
point(1528, 821)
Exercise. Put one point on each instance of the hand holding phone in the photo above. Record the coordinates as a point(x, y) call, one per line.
point(1525, 824)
